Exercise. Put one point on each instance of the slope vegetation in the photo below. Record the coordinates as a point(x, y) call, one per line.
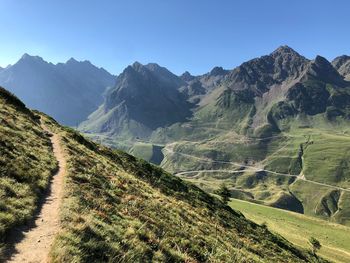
point(26, 165)
point(280, 123)
point(335, 238)
point(117, 208)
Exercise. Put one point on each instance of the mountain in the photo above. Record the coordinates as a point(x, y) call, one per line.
point(262, 92)
point(273, 121)
point(68, 91)
point(117, 207)
point(274, 129)
point(144, 98)
point(197, 87)
point(342, 64)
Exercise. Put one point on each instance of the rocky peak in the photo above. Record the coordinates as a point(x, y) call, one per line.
point(322, 69)
point(150, 97)
point(131, 70)
point(26, 58)
point(154, 67)
point(260, 74)
point(283, 51)
point(340, 61)
point(342, 64)
point(72, 61)
point(186, 76)
point(217, 71)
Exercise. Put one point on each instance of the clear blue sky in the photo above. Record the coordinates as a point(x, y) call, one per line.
point(193, 35)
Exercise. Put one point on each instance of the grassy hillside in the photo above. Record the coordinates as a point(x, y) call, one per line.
point(121, 208)
point(26, 164)
point(117, 208)
point(335, 239)
point(266, 170)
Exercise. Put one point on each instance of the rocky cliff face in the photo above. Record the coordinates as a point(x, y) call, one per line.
point(342, 64)
point(280, 85)
point(261, 74)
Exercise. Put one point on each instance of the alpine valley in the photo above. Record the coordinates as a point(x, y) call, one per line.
point(113, 207)
point(275, 129)
point(274, 133)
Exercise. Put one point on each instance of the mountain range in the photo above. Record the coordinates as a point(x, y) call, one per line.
point(259, 93)
point(68, 91)
point(115, 207)
point(274, 129)
point(270, 121)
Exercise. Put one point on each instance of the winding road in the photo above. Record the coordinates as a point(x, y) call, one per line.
point(300, 176)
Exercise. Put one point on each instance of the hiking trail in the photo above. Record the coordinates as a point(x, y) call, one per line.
point(35, 244)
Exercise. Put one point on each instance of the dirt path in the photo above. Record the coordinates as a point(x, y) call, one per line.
point(36, 242)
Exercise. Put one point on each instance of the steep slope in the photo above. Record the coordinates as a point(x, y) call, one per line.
point(197, 87)
point(147, 98)
point(251, 89)
point(321, 90)
point(37, 239)
point(118, 208)
point(26, 164)
point(342, 64)
point(68, 91)
point(144, 99)
point(266, 130)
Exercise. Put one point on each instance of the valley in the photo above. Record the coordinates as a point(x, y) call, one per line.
point(174, 131)
point(275, 146)
point(114, 206)
point(275, 130)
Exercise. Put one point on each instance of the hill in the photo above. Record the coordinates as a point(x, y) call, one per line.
point(117, 207)
point(68, 91)
point(274, 129)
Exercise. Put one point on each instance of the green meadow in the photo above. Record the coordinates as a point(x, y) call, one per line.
point(298, 228)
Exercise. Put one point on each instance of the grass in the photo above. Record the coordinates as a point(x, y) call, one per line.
point(297, 228)
point(321, 154)
point(121, 209)
point(26, 165)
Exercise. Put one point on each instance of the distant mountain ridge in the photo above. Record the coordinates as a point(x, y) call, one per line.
point(144, 98)
point(281, 84)
point(68, 91)
point(255, 94)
